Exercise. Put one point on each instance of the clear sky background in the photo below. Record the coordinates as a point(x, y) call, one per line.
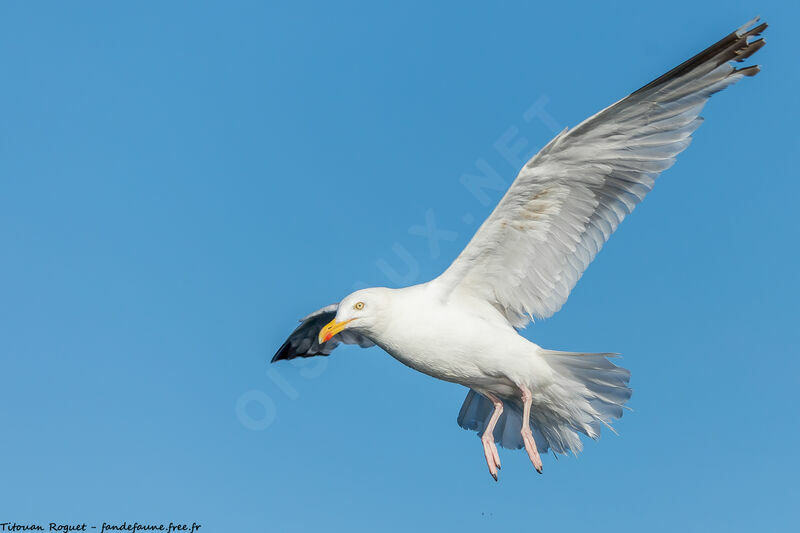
point(181, 181)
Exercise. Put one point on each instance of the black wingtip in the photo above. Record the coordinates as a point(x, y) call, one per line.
point(287, 352)
point(753, 31)
point(284, 353)
point(735, 46)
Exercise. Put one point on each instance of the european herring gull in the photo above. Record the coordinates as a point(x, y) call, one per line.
point(523, 262)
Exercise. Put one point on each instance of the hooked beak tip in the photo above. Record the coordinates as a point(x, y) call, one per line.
point(331, 329)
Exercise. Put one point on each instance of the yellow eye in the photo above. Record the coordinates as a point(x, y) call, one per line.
point(359, 306)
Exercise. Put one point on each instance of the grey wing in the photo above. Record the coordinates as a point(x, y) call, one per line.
point(567, 200)
point(304, 341)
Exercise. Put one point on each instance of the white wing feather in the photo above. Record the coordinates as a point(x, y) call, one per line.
point(568, 199)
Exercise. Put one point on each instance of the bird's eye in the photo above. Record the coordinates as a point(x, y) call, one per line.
point(359, 306)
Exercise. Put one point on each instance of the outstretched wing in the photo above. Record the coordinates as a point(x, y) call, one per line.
point(568, 199)
point(304, 342)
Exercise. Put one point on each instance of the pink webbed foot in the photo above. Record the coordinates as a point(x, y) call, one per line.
point(527, 436)
point(492, 457)
point(487, 439)
point(533, 453)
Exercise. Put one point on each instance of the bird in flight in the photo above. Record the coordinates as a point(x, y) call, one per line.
point(463, 326)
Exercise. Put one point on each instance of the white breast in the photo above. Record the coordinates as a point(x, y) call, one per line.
point(462, 342)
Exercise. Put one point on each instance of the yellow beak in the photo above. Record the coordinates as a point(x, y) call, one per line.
point(332, 328)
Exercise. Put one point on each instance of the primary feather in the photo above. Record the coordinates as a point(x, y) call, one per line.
point(571, 196)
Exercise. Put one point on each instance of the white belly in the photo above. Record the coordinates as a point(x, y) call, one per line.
point(449, 344)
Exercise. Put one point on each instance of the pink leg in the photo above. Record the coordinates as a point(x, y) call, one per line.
point(487, 439)
point(527, 436)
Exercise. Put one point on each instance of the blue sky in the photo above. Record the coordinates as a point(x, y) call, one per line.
point(179, 182)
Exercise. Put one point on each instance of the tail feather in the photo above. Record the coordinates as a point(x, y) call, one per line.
point(589, 393)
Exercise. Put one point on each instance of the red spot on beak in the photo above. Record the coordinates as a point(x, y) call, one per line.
point(331, 329)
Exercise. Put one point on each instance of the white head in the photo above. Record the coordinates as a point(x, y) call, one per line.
point(361, 311)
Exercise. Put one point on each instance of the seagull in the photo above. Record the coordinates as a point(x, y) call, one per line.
point(463, 326)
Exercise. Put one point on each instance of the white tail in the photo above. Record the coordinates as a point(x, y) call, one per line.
point(590, 393)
